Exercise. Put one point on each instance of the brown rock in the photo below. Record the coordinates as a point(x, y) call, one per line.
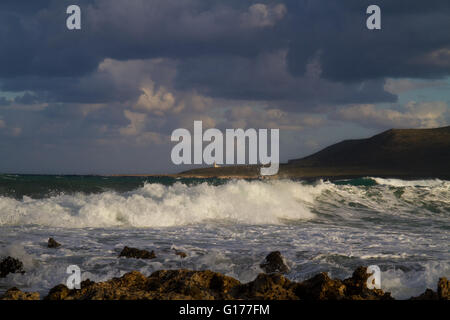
point(165, 284)
point(52, 243)
point(60, 292)
point(16, 294)
point(443, 289)
point(268, 287)
point(10, 265)
point(441, 294)
point(321, 287)
point(274, 262)
point(187, 284)
point(356, 287)
point(131, 287)
point(137, 253)
point(427, 295)
point(208, 285)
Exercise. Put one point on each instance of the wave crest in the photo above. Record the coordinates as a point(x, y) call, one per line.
point(156, 205)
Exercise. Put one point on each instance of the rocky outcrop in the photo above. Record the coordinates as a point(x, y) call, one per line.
point(137, 253)
point(441, 294)
point(10, 265)
point(52, 243)
point(356, 287)
point(427, 295)
point(322, 287)
point(208, 285)
point(164, 284)
point(16, 294)
point(272, 286)
point(274, 262)
point(443, 289)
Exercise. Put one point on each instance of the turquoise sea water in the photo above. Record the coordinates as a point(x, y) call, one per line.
point(227, 226)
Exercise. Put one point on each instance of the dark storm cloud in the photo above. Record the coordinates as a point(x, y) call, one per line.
point(34, 41)
point(28, 98)
point(267, 78)
point(38, 43)
point(81, 100)
point(39, 54)
point(218, 44)
point(4, 101)
point(95, 88)
point(413, 34)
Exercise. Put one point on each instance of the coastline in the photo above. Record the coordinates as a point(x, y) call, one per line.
point(396, 153)
point(307, 177)
point(184, 284)
point(126, 216)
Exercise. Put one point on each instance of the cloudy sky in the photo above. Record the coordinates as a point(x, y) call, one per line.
point(105, 99)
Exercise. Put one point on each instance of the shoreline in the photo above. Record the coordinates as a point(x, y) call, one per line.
point(214, 173)
point(184, 284)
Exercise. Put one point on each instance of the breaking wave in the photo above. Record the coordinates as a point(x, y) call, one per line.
point(156, 205)
point(242, 202)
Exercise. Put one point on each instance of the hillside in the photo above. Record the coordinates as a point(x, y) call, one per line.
point(404, 153)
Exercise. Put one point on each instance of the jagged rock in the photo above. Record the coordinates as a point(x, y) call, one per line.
point(268, 287)
point(321, 287)
point(441, 294)
point(164, 284)
point(10, 265)
point(356, 287)
point(187, 284)
point(274, 262)
point(137, 253)
point(207, 285)
point(60, 292)
point(427, 295)
point(16, 294)
point(52, 243)
point(443, 289)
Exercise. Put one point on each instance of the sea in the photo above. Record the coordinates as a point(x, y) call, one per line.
point(228, 226)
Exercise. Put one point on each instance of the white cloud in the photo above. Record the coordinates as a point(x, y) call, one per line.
point(157, 101)
point(250, 117)
point(137, 130)
point(411, 115)
point(137, 123)
point(397, 86)
point(260, 15)
point(440, 58)
point(187, 121)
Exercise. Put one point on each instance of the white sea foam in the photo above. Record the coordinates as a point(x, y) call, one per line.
point(156, 205)
point(402, 226)
point(409, 183)
point(18, 251)
point(241, 202)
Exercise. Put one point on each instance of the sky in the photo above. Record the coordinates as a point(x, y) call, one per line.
point(105, 99)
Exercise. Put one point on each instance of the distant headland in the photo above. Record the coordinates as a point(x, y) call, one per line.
point(395, 153)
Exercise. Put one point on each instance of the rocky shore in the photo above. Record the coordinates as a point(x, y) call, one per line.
point(185, 284)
